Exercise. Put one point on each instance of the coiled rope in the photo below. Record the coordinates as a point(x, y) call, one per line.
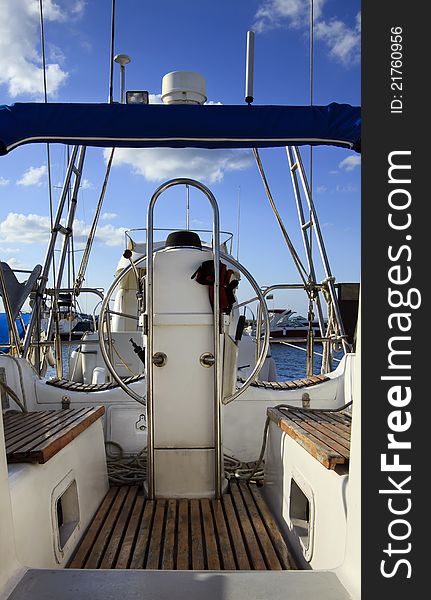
point(132, 470)
point(125, 470)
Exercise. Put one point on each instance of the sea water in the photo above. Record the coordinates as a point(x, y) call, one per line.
point(291, 362)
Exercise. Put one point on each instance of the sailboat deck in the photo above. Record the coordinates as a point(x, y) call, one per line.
point(235, 533)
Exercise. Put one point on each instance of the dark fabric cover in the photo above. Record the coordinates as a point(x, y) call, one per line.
point(179, 126)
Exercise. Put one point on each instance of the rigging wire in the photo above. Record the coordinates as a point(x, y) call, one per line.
point(78, 281)
point(111, 56)
point(238, 222)
point(301, 269)
point(45, 94)
point(311, 221)
point(311, 104)
point(68, 208)
point(311, 49)
point(38, 300)
point(71, 245)
point(92, 234)
point(70, 266)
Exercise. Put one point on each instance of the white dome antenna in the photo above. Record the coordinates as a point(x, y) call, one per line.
point(183, 87)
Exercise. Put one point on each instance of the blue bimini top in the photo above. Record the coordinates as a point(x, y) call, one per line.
point(179, 125)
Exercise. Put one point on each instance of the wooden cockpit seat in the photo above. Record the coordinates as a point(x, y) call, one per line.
point(324, 434)
point(35, 437)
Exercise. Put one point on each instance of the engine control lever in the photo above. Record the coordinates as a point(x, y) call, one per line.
point(138, 350)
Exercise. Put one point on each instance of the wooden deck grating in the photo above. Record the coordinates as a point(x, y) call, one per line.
point(235, 533)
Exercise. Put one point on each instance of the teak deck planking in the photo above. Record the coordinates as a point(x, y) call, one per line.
point(324, 434)
point(37, 436)
point(234, 533)
point(74, 386)
point(289, 385)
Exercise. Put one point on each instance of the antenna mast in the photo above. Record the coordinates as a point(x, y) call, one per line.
point(249, 68)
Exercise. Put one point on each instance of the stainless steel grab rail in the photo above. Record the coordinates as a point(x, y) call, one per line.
point(218, 467)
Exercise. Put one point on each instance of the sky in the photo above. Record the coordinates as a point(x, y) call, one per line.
point(196, 35)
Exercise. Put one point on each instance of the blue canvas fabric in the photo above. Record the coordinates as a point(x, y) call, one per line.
point(179, 126)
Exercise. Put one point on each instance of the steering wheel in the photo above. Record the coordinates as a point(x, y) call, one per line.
point(105, 312)
point(104, 321)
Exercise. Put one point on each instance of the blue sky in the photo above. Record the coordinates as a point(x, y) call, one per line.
point(163, 36)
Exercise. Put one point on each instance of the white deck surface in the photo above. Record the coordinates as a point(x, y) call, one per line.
point(90, 584)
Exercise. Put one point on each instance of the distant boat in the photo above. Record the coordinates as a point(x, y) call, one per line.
point(74, 325)
point(287, 323)
point(71, 323)
point(74, 328)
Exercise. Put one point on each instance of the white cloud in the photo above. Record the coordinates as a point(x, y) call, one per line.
point(33, 176)
point(10, 250)
point(78, 8)
point(359, 22)
point(25, 229)
point(35, 229)
point(200, 224)
point(107, 235)
point(20, 54)
point(346, 189)
point(275, 13)
point(342, 40)
point(15, 263)
point(86, 184)
point(51, 10)
point(321, 189)
point(4, 181)
point(56, 54)
point(157, 164)
point(350, 163)
point(108, 216)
